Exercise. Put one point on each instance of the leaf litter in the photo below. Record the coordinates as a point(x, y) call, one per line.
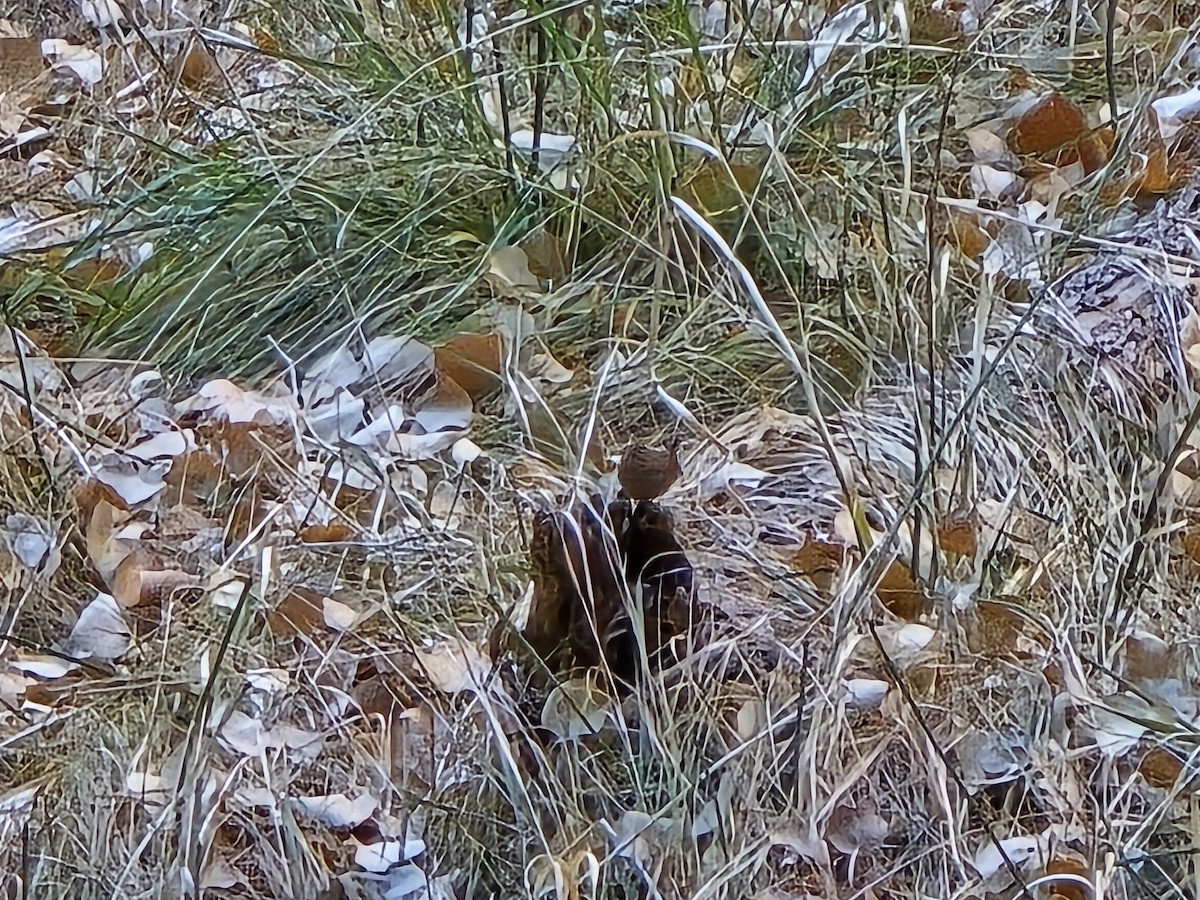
point(873, 620)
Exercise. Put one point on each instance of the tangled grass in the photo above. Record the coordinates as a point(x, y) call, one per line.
point(959, 655)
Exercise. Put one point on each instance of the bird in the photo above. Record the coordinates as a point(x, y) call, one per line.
point(645, 473)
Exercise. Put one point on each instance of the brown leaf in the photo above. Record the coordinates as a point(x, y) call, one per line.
point(20, 62)
point(545, 253)
point(1191, 543)
point(711, 190)
point(1070, 889)
point(138, 581)
point(473, 362)
point(968, 235)
point(1056, 130)
point(301, 611)
point(1161, 768)
point(1154, 177)
point(900, 594)
point(199, 68)
point(331, 533)
point(932, 25)
point(959, 535)
point(997, 631)
point(193, 480)
point(819, 561)
point(105, 551)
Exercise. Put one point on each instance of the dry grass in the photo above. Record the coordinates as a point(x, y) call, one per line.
point(959, 656)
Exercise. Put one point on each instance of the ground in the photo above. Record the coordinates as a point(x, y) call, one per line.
point(326, 327)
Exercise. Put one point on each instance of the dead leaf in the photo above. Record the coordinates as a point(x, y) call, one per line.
point(1070, 888)
point(200, 67)
point(101, 632)
point(852, 829)
point(132, 482)
point(959, 535)
point(900, 594)
point(331, 533)
point(464, 452)
point(33, 543)
point(301, 611)
point(338, 616)
point(83, 63)
point(819, 561)
point(545, 254)
point(447, 407)
point(508, 267)
point(454, 665)
point(968, 235)
point(20, 62)
point(473, 362)
point(138, 581)
point(1161, 768)
point(576, 708)
point(224, 401)
point(338, 810)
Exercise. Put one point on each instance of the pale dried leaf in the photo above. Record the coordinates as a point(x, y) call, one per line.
point(31, 540)
point(338, 616)
point(101, 632)
point(991, 856)
point(455, 665)
point(338, 810)
point(576, 708)
point(133, 482)
point(510, 266)
point(464, 452)
point(82, 62)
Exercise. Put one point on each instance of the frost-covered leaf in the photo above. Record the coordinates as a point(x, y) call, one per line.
point(455, 665)
point(101, 631)
point(224, 591)
point(731, 474)
point(32, 542)
point(464, 452)
point(990, 858)
point(339, 810)
point(339, 616)
point(906, 644)
point(134, 482)
point(164, 445)
point(576, 708)
point(865, 693)
point(269, 681)
point(82, 62)
point(377, 857)
point(102, 14)
point(45, 667)
point(391, 359)
point(336, 419)
point(1177, 111)
point(414, 447)
point(992, 183)
point(250, 737)
point(404, 882)
point(227, 402)
point(552, 148)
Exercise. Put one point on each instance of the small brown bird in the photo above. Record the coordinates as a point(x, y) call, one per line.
point(645, 472)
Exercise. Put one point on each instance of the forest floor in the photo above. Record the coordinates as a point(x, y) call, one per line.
point(327, 325)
